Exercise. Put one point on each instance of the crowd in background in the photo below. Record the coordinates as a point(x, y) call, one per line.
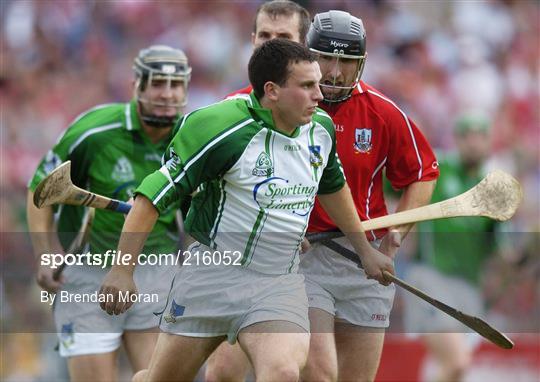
point(435, 60)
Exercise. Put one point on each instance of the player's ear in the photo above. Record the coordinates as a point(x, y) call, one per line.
point(253, 38)
point(271, 90)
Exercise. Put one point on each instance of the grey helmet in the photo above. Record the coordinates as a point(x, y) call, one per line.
point(160, 62)
point(341, 35)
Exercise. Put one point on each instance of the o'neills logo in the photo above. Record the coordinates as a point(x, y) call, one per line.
point(337, 44)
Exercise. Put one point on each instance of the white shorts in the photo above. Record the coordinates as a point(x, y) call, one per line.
point(337, 286)
point(83, 328)
point(421, 317)
point(219, 300)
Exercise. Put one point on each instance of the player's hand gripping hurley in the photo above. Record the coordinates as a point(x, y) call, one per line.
point(497, 196)
point(475, 323)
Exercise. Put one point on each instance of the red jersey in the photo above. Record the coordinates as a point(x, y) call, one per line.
point(373, 134)
point(245, 90)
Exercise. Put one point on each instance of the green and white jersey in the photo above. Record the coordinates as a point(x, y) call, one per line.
point(258, 184)
point(110, 155)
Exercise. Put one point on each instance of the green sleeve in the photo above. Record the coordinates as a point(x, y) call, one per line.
point(333, 178)
point(71, 146)
point(202, 149)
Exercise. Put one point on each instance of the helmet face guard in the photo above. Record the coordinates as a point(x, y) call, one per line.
point(343, 92)
point(340, 35)
point(160, 63)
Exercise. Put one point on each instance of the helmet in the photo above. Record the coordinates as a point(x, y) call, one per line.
point(473, 120)
point(160, 62)
point(341, 35)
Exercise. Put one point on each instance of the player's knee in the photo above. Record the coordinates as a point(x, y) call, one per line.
point(222, 372)
point(139, 376)
point(320, 369)
point(321, 365)
point(281, 372)
point(278, 369)
point(227, 364)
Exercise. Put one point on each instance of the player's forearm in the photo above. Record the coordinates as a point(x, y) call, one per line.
point(341, 209)
point(139, 223)
point(417, 194)
point(41, 228)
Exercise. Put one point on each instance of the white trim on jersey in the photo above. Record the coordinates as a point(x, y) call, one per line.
point(369, 192)
point(80, 116)
point(203, 151)
point(317, 124)
point(408, 126)
point(220, 207)
point(183, 121)
point(341, 167)
point(93, 131)
point(98, 107)
point(129, 126)
point(165, 171)
point(186, 116)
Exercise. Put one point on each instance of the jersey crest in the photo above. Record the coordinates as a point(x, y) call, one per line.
point(362, 142)
point(315, 156)
point(123, 170)
point(263, 166)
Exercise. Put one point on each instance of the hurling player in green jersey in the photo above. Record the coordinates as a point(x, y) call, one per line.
point(112, 148)
point(271, 152)
point(452, 253)
point(273, 19)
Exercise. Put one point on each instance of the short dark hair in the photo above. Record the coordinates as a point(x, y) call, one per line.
point(288, 8)
point(271, 60)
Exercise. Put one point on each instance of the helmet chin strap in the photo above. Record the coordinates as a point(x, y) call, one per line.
point(155, 120)
point(348, 89)
point(341, 98)
point(159, 122)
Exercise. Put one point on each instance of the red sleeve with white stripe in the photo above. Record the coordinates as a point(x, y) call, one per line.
point(410, 157)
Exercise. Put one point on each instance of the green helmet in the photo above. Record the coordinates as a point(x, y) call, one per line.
point(472, 121)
